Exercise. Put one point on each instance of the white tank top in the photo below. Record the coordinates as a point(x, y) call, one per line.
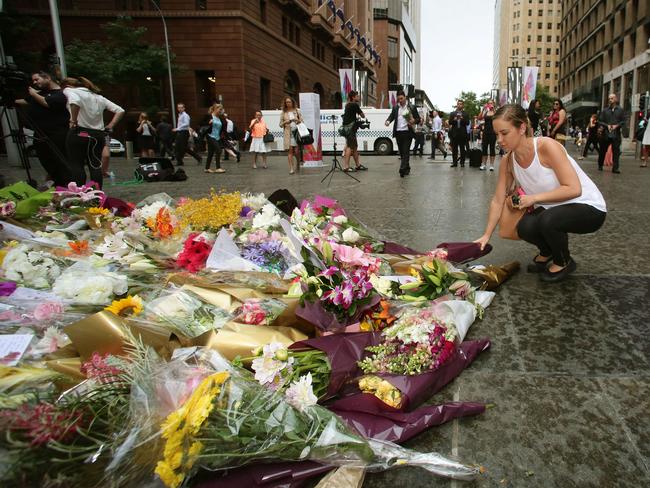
point(539, 179)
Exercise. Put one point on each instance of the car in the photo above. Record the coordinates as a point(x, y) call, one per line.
point(116, 148)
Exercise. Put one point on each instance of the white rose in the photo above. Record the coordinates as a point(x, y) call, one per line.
point(350, 235)
point(340, 219)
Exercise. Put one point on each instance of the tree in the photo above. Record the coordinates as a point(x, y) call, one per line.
point(542, 94)
point(472, 104)
point(124, 58)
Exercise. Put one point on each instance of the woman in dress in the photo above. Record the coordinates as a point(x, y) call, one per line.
point(561, 197)
point(88, 134)
point(557, 122)
point(489, 138)
point(217, 133)
point(258, 130)
point(146, 134)
point(289, 119)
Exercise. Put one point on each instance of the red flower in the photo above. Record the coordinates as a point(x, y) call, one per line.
point(194, 254)
point(41, 423)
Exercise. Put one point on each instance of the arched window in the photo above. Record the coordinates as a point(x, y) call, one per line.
point(291, 84)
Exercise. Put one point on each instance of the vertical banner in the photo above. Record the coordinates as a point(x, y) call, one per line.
point(503, 97)
point(530, 85)
point(310, 109)
point(514, 84)
point(346, 84)
point(392, 98)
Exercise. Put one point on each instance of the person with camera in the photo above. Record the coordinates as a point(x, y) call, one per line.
point(611, 119)
point(146, 133)
point(351, 115)
point(88, 134)
point(458, 135)
point(406, 117)
point(538, 175)
point(48, 117)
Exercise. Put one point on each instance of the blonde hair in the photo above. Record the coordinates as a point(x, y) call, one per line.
point(516, 115)
point(81, 82)
point(214, 108)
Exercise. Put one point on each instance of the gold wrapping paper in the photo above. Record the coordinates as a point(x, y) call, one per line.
point(261, 282)
point(68, 366)
point(495, 276)
point(343, 477)
point(240, 339)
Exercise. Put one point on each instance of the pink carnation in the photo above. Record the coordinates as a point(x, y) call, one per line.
point(48, 311)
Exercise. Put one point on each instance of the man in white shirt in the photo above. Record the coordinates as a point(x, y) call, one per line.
point(406, 117)
point(437, 136)
point(182, 131)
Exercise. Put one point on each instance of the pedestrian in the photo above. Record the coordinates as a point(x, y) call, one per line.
point(289, 119)
point(230, 141)
point(644, 136)
point(559, 196)
point(489, 138)
point(48, 116)
point(437, 136)
point(535, 117)
point(458, 122)
point(182, 132)
point(258, 130)
point(87, 136)
point(146, 133)
point(592, 136)
point(165, 139)
point(351, 113)
point(557, 122)
point(404, 117)
point(215, 137)
point(611, 119)
point(418, 147)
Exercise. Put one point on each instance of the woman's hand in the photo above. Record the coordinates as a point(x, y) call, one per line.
point(483, 240)
point(526, 201)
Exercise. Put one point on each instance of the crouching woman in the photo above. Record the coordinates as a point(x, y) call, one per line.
point(557, 194)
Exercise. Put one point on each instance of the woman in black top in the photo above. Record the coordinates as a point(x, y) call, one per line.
point(534, 114)
point(489, 137)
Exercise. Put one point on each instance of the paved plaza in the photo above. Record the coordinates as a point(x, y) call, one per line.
point(568, 372)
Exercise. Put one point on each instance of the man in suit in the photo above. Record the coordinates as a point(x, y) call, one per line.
point(611, 117)
point(458, 122)
point(406, 117)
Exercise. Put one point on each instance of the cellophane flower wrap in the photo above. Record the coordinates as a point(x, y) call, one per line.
point(212, 416)
point(259, 311)
point(31, 267)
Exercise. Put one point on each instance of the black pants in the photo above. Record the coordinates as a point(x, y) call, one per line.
point(591, 141)
point(165, 148)
point(419, 143)
point(51, 151)
point(605, 142)
point(458, 143)
point(182, 137)
point(437, 142)
point(84, 148)
point(404, 139)
point(489, 142)
point(214, 149)
point(547, 229)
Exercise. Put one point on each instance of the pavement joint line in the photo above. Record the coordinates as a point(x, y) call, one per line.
point(455, 437)
point(604, 376)
point(511, 326)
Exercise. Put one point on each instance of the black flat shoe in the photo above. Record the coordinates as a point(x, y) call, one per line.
point(453, 165)
point(550, 277)
point(537, 266)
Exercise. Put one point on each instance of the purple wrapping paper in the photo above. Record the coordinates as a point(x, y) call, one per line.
point(272, 475)
point(325, 321)
point(464, 252)
point(372, 418)
point(7, 288)
point(123, 209)
point(394, 248)
point(419, 388)
point(343, 351)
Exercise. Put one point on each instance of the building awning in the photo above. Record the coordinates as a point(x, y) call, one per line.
point(581, 104)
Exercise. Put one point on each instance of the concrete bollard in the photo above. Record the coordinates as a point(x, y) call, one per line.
point(129, 150)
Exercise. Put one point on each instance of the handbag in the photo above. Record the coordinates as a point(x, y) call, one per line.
point(510, 216)
point(268, 137)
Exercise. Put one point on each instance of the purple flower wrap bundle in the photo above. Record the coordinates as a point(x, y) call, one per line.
point(7, 288)
point(271, 475)
point(394, 248)
point(416, 389)
point(372, 418)
point(464, 252)
point(325, 321)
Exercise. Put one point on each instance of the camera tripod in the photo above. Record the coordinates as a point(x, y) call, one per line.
point(18, 137)
point(336, 164)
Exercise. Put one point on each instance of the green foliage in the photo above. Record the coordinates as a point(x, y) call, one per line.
point(542, 94)
point(124, 57)
point(472, 103)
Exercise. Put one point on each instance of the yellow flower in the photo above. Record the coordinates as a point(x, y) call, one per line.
point(174, 444)
point(192, 455)
point(168, 476)
point(172, 423)
point(210, 213)
point(130, 304)
point(98, 211)
point(382, 389)
point(365, 326)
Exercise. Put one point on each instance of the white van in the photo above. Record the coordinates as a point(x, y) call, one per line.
point(377, 139)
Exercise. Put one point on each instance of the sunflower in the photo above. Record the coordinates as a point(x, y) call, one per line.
point(130, 304)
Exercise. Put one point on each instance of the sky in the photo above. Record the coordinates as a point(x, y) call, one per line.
point(457, 49)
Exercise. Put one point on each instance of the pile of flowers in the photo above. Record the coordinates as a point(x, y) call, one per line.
point(33, 268)
point(435, 278)
point(195, 252)
point(416, 343)
point(210, 214)
point(84, 196)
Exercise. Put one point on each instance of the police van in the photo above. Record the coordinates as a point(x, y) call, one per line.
point(377, 139)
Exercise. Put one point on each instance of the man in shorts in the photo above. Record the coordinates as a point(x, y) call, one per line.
point(350, 115)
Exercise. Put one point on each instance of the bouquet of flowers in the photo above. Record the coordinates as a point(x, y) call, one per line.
point(74, 196)
point(435, 278)
point(259, 311)
point(24, 264)
point(195, 252)
point(90, 282)
point(210, 214)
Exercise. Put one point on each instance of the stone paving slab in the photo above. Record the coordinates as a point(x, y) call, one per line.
point(569, 369)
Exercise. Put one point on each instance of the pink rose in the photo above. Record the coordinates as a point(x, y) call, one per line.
point(48, 311)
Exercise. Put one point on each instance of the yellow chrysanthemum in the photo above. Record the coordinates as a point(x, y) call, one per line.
point(174, 444)
point(382, 389)
point(98, 211)
point(129, 305)
point(210, 213)
point(168, 476)
point(192, 455)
